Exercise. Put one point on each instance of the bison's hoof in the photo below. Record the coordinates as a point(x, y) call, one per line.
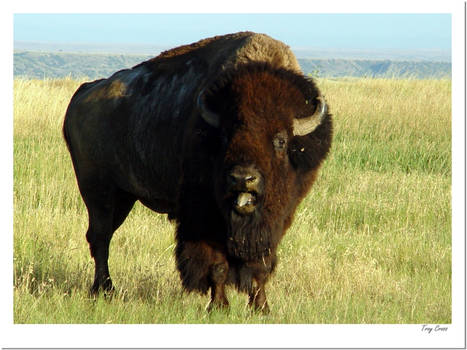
point(263, 309)
point(222, 306)
point(107, 288)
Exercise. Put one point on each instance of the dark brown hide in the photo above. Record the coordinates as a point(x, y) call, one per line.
point(205, 133)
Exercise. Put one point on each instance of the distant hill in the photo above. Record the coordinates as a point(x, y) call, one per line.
point(376, 68)
point(30, 64)
point(76, 65)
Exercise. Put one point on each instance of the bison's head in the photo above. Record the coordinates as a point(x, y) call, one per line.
point(273, 130)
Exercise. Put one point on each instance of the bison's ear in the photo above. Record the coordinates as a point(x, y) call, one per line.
point(306, 125)
point(208, 116)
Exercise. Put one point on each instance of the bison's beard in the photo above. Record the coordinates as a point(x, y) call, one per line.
point(252, 237)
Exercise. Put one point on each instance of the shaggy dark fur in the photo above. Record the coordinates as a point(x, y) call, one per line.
point(139, 136)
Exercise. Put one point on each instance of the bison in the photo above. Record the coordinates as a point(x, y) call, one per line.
point(225, 135)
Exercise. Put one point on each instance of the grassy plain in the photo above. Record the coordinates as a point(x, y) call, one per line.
point(370, 244)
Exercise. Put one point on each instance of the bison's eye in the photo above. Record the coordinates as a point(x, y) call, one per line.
point(280, 141)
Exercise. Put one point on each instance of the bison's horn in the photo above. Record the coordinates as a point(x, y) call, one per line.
point(304, 126)
point(209, 117)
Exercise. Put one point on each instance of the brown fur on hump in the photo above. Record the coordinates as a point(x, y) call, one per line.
point(221, 53)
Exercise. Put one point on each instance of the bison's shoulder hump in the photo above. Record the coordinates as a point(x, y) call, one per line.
point(228, 51)
point(263, 48)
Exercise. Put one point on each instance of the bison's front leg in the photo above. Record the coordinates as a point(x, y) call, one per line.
point(218, 277)
point(200, 252)
point(260, 271)
point(203, 266)
point(257, 297)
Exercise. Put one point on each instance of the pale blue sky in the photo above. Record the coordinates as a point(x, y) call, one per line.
point(342, 31)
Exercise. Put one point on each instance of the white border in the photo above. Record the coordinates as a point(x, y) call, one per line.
point(239, 6)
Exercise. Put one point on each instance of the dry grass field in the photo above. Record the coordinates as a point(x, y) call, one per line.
point(370, 244)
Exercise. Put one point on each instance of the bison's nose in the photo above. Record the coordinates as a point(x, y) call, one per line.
point(246, 179)
point(244, 182)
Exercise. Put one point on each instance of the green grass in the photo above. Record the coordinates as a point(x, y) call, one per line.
point(370, 244)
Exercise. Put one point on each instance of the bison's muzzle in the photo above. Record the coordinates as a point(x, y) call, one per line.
point(244, 186)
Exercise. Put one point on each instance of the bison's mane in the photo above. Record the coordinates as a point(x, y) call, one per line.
point(304, 84)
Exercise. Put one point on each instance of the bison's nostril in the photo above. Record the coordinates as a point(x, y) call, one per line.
point(250, 178)
point(252, 183)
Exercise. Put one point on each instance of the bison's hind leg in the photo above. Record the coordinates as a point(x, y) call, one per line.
point(107, 207)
